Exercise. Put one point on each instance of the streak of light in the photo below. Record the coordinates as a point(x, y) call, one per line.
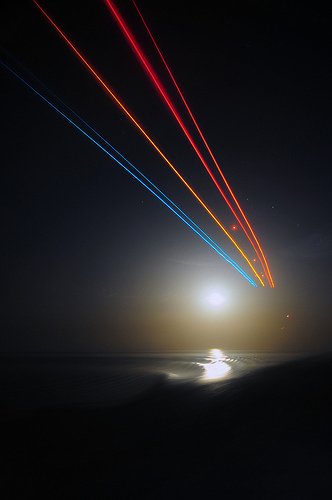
point(160, 88)
point(148, 184)
point(145, 134)
point(260, 254)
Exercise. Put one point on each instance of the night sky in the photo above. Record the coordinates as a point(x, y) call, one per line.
point(90, 260)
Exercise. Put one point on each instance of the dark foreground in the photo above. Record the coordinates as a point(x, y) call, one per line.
point(265, 436)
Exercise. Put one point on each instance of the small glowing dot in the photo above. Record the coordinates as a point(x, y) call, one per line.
point(234, 227)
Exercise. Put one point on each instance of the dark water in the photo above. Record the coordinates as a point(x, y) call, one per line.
point(107, 380)
point(227, 425)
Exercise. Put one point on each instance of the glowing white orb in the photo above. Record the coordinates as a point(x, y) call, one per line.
point(215, 299)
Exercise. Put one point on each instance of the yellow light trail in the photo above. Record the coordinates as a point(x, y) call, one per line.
point(260, 253)
point(140, 128)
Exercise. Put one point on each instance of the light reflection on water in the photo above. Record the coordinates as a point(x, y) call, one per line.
point(215, 365)
point(35, 381)
point(216, 368)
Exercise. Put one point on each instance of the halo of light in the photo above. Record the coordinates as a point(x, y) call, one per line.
point(214, 299)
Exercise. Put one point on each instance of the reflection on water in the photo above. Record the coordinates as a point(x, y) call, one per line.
point(216, 368)
point(40, 381)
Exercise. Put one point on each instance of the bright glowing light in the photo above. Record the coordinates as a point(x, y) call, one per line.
point(214, 299)
point(216, 354)
point(216, 369)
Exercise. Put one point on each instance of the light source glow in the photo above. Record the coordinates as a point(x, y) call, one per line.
point(215, 299)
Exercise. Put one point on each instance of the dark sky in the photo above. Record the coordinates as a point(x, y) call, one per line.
point(90, 260)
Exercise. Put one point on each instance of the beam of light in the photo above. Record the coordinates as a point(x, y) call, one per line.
point(145, 134)
point(160, 88)
point(148, 184)
point(260, 254)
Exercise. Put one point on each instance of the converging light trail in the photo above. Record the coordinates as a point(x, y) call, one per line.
point(261, 254)
point(265, 264)
point(145, 134)
point(165, 96)
point(146, 182)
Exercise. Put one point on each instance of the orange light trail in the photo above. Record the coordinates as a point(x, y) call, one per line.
point(130, 116)
point(260, 254)
point(160, 88)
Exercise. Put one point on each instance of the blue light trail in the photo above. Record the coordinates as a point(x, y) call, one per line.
point(148, 184)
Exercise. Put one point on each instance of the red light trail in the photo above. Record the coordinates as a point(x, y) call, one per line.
point(145, 134)
point(256, 246)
